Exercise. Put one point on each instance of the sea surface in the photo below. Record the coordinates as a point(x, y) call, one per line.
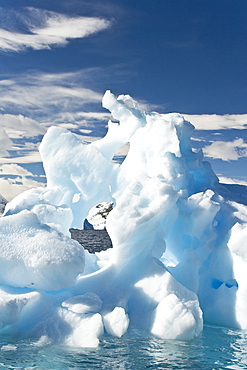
point(216, 348)
point(92, 240)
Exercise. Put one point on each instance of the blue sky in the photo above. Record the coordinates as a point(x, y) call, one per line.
point(57, 58)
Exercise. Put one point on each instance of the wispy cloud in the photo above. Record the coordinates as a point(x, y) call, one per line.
point(227, 151)
point(32, 102)
point(17, 126)
point(14, 169)
point(229, 180)
point(217, 122)
point(5, 143)
point(10, 188)
point(22, 157)
point(41, 29)
point(46, 96)
point(15, 179)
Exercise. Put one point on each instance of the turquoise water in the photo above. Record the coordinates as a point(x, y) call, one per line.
point(216, 348)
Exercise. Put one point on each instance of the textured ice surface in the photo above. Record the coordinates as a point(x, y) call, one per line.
point(36, 255)
point(179, 237)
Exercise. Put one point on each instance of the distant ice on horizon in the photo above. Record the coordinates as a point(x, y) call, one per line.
point(179, 238)
point(3, 203)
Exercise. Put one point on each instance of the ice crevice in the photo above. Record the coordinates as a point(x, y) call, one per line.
point(179, 246)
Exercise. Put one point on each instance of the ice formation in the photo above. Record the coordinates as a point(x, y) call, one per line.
point(179, 246)
point(3, 203)
point(96, 218)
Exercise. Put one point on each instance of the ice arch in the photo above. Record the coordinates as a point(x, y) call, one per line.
point(177, 243)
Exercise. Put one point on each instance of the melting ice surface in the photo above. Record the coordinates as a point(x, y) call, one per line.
point(179, 253)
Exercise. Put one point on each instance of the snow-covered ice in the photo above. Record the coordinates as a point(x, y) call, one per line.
point(179, 238)
point(96, 218)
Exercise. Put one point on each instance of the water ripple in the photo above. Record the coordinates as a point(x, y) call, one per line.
point(216, 349)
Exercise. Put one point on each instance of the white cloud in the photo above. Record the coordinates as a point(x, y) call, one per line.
point(217, 122)
point(198, 139)
point(45, 99)
point(14, 169)
point(45, 29)
point(61, 26)
point(227, 151)
point(10, 188)
point(46, 96)
point(19, 139)
point(17, 126)
point(94, 115)
point(5, 143)
point(23, 157)
point(15, 179)
point(229, 180)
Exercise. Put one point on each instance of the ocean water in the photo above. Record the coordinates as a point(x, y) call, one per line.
point(216, 348)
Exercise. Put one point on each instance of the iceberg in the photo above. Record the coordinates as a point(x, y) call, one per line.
point(3, 203)
point(179, 238)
